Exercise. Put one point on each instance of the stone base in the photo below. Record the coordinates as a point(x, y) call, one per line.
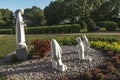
point(21, 53)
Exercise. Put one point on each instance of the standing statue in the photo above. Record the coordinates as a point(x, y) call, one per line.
point(20, 36)
point(56, 56)
point(20, 33)
point(80, 48)
point(86, 43)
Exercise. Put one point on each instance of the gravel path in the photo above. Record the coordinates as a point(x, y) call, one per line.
point(42, 69)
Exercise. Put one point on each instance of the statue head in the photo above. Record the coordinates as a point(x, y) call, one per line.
point(20, 11)
point(78, 39)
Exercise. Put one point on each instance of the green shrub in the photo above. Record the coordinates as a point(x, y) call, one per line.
point(109, 25)
point(83, 24)
point(91, 26)
point(119, 25)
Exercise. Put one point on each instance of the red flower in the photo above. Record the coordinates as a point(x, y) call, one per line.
point(40, 47)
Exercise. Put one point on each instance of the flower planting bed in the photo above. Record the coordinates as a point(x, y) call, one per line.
point(41, 69)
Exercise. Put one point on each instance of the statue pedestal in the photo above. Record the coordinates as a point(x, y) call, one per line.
point(21, 53)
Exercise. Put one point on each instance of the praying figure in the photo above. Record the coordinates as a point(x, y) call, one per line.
point(80, 48)
point(86, 43)
point(20, 33)
point(56, 56)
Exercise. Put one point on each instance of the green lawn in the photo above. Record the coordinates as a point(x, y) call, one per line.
point(8, 42)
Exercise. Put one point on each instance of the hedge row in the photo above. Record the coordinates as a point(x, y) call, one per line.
point(75, 28)
point(6, 31)
point(109, 25)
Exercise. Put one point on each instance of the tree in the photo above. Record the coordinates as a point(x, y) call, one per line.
point(80, 9)
point(34, 16)
point(6, 18)
point(110, 9)
point(54, 13)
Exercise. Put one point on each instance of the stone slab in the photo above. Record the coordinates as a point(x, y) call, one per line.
point(21, 53)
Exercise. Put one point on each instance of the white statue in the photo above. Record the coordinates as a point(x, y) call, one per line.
point(81, 50)
point(86, 43)
point(56, 56)
point(20, 33)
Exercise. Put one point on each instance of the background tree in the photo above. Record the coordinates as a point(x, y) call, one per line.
point(34, 16)
point(6, 18)
point(110, 9)
point(54, 13)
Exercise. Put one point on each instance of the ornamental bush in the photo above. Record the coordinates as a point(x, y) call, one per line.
point(39, 47)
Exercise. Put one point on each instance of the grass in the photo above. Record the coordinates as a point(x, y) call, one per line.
point(8, 42)
point(7, 45)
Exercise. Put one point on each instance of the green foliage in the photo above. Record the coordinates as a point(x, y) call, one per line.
point(114, 46)
point(6, 18)
point(109, 9)
point(54, 13)
point(83, 24)
point(109, 25)
point(91, 25)
point(34, 16)
point(7, 45)
point(119, 25)
point(6, 31)
point(2, 23)
point(54, 29)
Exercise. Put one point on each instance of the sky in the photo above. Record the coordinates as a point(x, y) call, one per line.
point(13, 5)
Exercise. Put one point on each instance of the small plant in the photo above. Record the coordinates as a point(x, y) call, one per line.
point(117, 64)
point(118, 75)
point(39, 47)
point(99, 76)
point(109, 53)
point(88, 75)
point(115, 59)
point(108, 64)
point(97, 70)
point(111, 69)
point(118, 55)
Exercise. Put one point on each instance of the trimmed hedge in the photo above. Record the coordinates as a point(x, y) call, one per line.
point(75, 28)
point(109, 25)
point(6, 31)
